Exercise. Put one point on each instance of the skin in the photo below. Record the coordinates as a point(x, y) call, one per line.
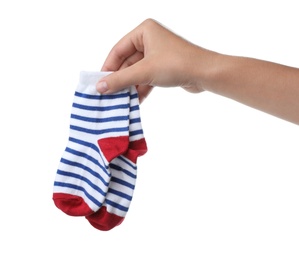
point(152, 55)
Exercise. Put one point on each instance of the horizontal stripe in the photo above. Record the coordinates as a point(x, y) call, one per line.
point(81, 166)
point(135, 127)
point(122, 182)
point(75, 187)
point(102, 114)
point(118, 168)
point(93, 147)
point(127, 162)
point(134, 108)
point(100, 120)
point(100, 108)
point(120, 194)
point(84, 143)
point(115, 205)
point(101, 97)
point(137, 132)
point(133, 96)
point(80, 177)
point(135, 120)
point(102, 127)
point(101, 131)
point(88, 157)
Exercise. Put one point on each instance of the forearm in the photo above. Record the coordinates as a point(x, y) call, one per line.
point(266, 86)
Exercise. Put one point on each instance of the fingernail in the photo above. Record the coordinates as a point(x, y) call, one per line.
point(102, 86)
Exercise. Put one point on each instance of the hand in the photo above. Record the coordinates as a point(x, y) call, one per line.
point(152, 55)
point(149, 56)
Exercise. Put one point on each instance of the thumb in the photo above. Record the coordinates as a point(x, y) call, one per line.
point(122, 79)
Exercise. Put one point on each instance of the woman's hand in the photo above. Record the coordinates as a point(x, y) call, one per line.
point(152, 55)
point(149, 56)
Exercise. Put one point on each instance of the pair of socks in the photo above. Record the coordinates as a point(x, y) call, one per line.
point(97, 172)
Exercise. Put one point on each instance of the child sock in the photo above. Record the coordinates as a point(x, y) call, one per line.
point(99, 132)
point(124, 172)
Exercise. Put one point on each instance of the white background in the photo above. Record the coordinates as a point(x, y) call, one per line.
point(220, 180)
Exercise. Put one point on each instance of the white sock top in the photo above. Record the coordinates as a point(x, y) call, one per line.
point(91, 77)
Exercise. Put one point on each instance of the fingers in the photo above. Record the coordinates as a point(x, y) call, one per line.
point(129, 64)
point(125, 48)
point(137, 56)
point(143, 91)
point(122, 79)
point(135, 74)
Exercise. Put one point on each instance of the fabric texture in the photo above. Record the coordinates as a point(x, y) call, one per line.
point(99, 132)
point(97, 173)
point(124, 174)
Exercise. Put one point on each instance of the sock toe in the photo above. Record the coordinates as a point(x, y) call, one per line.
point(103, 220)
point(72, 205)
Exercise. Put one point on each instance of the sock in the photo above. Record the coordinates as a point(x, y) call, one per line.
point(99, 132)
point(124, 172)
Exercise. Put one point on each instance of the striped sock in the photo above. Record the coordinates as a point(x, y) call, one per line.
point(124, 172)
point(99, 132)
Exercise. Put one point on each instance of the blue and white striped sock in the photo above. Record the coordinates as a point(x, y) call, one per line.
point(99, 132)
point(124, 173)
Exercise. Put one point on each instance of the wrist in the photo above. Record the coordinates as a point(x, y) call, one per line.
point(207, 69)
